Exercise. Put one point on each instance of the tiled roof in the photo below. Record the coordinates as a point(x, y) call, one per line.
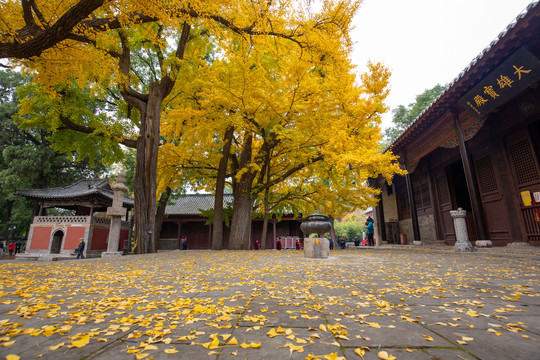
point(191, 204)
point(79, 189)
point(524, 26)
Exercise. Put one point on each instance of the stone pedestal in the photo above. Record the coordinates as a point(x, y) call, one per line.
point(483, 243)
point(116, 212)
point(316, 248)
point(462, 236)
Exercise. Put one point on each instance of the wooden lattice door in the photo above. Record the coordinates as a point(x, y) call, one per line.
point(526, 175)
point(445, 205)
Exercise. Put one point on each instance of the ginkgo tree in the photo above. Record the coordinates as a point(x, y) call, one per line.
point(294, 120)
point(138, 55)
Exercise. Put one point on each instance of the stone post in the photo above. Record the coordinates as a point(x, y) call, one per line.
point(460, 226)
point(116, 212)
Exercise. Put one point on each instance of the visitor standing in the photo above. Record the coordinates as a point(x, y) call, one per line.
point(278, 244)
point(370, 231)
point(256, 245)
point(18, 247)
point(11, 248)
point(2, 247)
point(183, 243)
point(80, 249)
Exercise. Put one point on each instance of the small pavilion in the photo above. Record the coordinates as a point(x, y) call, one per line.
point(53, 236)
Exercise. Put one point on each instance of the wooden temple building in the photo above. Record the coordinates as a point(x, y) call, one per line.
point(476, 147)
point(55, 236)
point(183, 218)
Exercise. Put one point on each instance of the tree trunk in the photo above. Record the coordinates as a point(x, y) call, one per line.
point(146, 172)
point(217, 233)
point(265, 222)
point(333, 230)
point(160, 214)
point(7, 230)
point(240, 237)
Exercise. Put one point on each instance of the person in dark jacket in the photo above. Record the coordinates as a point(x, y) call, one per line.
point(80, 249)
point(183, 243)
point(278, 244)
point(18, 247)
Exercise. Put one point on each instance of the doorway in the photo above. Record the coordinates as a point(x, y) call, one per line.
point(57, 242)
point(460, 195)
point(458, 186)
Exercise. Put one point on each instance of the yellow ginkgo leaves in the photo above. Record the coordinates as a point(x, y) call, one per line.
point(383, 355)
point(83, 341)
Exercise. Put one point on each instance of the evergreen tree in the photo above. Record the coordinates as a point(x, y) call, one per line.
point(404, 116)
point(27, 161)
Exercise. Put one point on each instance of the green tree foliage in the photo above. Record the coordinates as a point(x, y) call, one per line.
point(404, 116)
point(28, 161)
point(350, 226)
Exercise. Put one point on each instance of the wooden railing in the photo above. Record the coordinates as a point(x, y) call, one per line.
point(531, 218)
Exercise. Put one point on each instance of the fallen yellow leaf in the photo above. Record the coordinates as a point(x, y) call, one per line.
point(360, 352)
point(81, 342)
point(55, 347)
point(385, 356)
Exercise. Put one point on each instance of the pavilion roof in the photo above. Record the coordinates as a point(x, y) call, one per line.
point(98, 189)
point(192, 204)
point(523, 31)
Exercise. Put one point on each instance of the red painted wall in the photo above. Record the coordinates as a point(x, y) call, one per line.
point(99, 238)
point(40, 238)
point(123, 236)
point(73, 237)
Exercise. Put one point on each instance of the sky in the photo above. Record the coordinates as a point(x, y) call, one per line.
point(425, 42)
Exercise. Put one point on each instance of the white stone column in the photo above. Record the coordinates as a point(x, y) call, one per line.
point(116, 212)
point(460, 226)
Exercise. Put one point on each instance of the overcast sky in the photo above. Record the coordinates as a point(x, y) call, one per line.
point(425, 42)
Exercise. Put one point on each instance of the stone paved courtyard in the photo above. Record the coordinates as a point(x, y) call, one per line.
point(402, 302)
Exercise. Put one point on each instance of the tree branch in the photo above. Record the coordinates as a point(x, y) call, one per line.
point(32, 40)
point(68, 124)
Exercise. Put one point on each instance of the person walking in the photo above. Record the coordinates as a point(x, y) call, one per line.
point(370, 231)
point(2, 247)
point(80, 249)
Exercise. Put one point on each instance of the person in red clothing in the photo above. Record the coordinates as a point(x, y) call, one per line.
point(256, 245)
point(11, 247)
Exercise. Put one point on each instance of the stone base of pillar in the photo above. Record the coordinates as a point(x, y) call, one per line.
point(464, 247)
point(518, 243)
point(483, 243)
point(112, 254)
point(316, 248)
point(418, 242)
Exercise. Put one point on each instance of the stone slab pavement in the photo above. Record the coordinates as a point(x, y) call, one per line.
point(387, 302)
